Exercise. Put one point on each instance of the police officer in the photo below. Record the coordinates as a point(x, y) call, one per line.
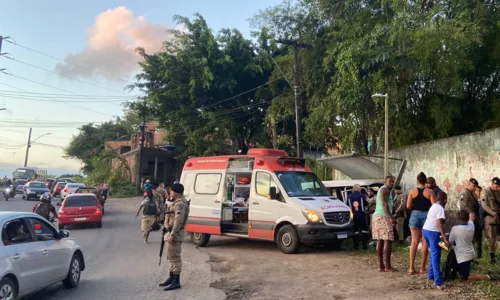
point(176, 219)
point(470, 203)
point(359, 205)
point(491, 208)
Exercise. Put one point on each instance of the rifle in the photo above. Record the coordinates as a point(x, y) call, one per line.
point(162, 245)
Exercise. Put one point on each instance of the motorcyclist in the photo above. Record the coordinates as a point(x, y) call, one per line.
point(45, 208)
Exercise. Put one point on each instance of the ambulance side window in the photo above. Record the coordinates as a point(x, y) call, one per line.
point(187, 181)
point(263, 182)
point(207, 184)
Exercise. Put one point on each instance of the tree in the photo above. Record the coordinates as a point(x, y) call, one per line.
point(204, 88)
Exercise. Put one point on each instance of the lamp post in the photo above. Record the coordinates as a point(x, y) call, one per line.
point(28, 146)
point(386, 129)
point(141, 154)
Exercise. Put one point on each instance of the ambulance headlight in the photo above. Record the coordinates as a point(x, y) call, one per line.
point(351, 214)
point(312, 215)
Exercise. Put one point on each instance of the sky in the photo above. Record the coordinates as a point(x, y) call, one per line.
point(97, 38)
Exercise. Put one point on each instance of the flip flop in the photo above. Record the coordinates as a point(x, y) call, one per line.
point(423, 273)
point(390, 270)
point(411, 273)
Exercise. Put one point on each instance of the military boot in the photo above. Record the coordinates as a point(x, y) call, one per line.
point(168, 281)
point(176, 283)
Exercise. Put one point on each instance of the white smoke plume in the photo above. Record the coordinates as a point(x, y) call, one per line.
point(111, 44)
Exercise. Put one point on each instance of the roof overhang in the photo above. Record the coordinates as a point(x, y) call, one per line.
point(359, 167)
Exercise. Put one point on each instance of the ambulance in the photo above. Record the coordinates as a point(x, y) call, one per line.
point(264, 195)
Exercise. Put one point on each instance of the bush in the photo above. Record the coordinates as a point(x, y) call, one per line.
point(123, 189)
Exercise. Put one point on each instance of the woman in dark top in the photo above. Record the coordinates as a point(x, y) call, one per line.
point(420, 200)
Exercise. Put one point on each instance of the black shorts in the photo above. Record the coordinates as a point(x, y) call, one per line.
point(464, 269)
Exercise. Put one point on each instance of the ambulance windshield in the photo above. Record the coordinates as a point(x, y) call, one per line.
point(300, 184)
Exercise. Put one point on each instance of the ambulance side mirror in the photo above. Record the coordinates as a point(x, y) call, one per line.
point(273, 194)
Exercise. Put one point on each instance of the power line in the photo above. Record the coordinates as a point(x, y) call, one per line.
point(62, 75)
point(63, 101)
point(43, 84)
point(79, 96)
point(68, 62)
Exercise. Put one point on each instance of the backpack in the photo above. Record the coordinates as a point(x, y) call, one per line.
point(150, 209)
point(43, 210)
point(450, 268)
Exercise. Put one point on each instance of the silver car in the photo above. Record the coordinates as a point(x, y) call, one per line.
point(70, 188)
point(35, 255)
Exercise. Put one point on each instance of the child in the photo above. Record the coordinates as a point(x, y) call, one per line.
point(432, 230)
point(462, 237)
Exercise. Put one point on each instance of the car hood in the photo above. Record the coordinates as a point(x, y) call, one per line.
point(324, 204)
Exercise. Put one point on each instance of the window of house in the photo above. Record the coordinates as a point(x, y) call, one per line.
point(15, 232)
point(207, 184)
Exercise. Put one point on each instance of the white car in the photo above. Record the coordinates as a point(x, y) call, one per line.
point(35, 255)
point(70, 188)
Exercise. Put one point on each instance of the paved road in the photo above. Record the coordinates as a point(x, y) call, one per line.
point(120, 266)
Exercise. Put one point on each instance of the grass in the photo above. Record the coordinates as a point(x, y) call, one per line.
point(456, 289)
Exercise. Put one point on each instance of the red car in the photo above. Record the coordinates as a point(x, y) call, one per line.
point(80, 209)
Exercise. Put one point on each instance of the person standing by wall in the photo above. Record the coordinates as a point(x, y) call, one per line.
point(491, 208)
point(383, 224)
point(400, 213)
point(420, 200)
point(359, 205)
point(470, 203)
point(177, 216)
point(431, 184)
point(432, 230)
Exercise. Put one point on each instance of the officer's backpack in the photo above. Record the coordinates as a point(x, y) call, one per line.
point(43, 210)
point(150, 209)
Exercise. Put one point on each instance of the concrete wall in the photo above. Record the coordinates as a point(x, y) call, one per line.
point(452, 161)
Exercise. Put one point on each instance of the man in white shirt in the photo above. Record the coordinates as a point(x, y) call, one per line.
point(433, 231)
point(462, 237)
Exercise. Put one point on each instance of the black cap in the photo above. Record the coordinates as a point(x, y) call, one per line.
point(474, 181)
point(496, 180)
point(177, 188)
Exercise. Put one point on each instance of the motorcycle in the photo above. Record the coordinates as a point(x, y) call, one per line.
point(103, 198)
point(9, 192)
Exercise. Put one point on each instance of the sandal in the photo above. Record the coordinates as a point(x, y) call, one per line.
point(390, 270)
point(423, 272)
point(412, 272)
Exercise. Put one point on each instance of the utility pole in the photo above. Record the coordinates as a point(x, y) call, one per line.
point(296, 88)
point(386, 131)
point(28, 149)
point(141, 146)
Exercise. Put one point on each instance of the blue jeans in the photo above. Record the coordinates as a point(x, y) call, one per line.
point(417, 219)
point(433, 239)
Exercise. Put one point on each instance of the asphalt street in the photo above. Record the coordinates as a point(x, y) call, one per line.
point(120, 266)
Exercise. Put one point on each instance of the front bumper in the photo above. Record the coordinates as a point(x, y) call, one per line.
point(323, 234)
point(33, 196)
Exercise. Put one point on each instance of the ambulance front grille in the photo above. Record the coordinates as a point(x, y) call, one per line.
point(337, 218)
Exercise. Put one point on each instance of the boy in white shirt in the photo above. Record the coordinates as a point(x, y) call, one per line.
point(433, 231)
point(462, 236)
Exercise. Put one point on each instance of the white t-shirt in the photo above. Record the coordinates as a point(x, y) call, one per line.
point(435, 213)
point(462, 236)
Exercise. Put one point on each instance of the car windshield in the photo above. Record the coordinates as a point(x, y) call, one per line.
point(37, 185)
point(300, 184)
point(78, 201)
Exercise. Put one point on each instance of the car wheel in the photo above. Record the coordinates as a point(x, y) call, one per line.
point(288, 239)
point(7, 289)
point(99, 225)
point(74, 273)
point(200, 239)
point(24, 197)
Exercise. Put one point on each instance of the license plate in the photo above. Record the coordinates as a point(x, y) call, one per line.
point(83, 219)
point(341, 235)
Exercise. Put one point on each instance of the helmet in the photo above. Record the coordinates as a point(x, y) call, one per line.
point(148, 181)
point(46, 197)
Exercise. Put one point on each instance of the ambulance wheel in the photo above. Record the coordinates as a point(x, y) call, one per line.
point(288, 239)
point(200, 239)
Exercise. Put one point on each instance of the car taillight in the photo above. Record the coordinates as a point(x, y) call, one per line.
point(66, 190)
point(61, 212)
point(58, 188)
point(98, 211)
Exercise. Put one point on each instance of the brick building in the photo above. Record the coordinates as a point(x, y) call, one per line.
point(159, 162)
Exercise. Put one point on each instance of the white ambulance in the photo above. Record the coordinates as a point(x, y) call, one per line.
point(263, 195)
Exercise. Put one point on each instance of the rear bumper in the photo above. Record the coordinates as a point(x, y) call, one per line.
point(69, 220)
point(323, 234)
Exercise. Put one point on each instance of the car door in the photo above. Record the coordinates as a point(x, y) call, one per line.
point(26, 258)
point(264, 212)
point(54, 249)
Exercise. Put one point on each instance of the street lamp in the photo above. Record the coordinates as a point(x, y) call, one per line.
point(28, 146)
point(386, 129)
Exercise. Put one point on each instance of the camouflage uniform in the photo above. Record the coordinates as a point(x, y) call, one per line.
point(161, 205)
point(470, 203)
point(177, 216)
point(491, 207)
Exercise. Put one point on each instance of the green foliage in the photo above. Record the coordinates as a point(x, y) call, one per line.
point(323, 171)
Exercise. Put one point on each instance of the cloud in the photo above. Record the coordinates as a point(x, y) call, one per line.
point(111, 44)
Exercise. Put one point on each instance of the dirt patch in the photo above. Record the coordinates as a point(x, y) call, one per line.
point(259, 271)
